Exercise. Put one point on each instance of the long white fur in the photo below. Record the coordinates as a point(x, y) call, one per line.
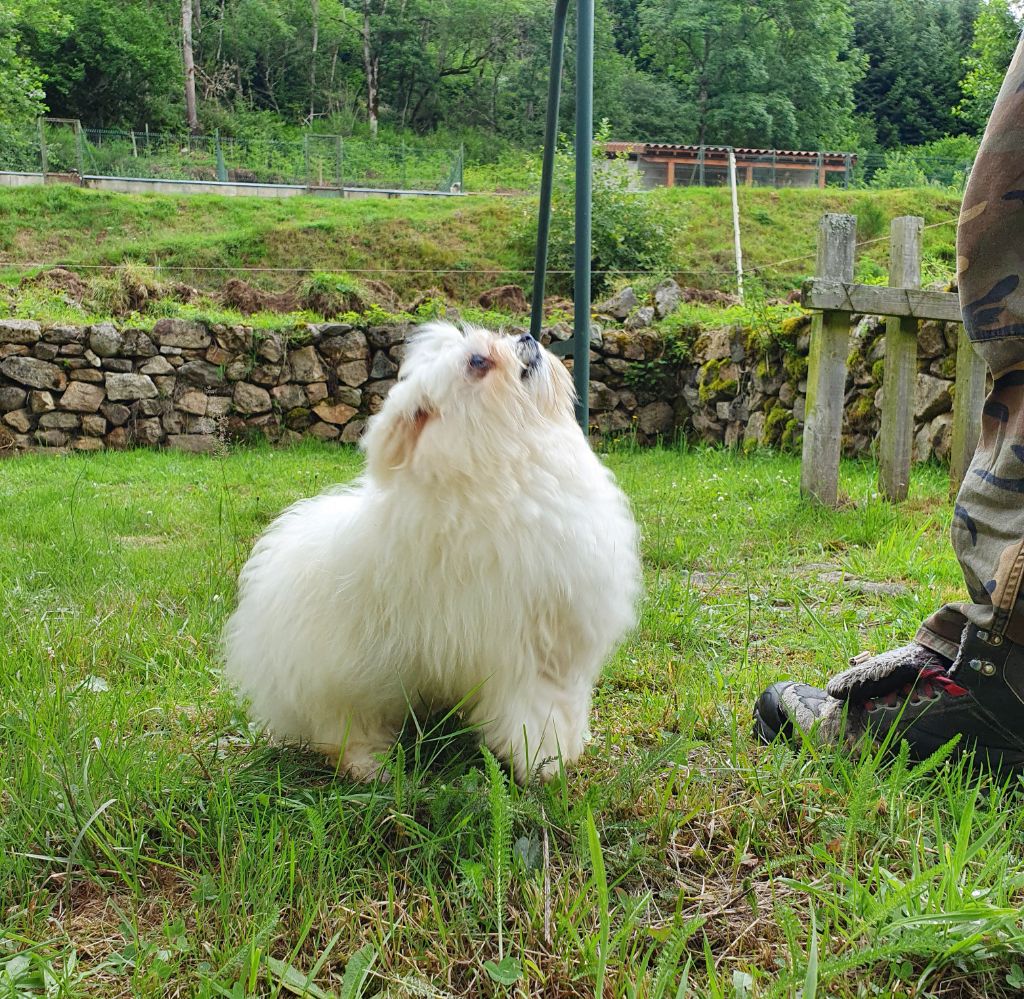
point(485, 557)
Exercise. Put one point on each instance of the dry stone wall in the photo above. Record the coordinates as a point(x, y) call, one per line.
point(196, 386)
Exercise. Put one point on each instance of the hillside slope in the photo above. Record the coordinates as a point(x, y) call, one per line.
point(459, 246)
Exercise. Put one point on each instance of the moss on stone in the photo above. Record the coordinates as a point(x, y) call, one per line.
point(792, 326)
point(790, 434)
point(862, 411)
point(775, 422)
point(712, 386)
point(795, 365)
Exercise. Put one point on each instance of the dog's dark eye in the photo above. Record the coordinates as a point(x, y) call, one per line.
point(479, 364)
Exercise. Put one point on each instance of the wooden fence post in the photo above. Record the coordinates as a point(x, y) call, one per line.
point(826, 366)
point(968, 398)
point(900, 378)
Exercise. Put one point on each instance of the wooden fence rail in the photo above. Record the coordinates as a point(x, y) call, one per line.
point(835, 296)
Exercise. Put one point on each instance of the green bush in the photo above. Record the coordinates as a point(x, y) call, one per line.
point(627, 232)
point(901, 169)
point(944, 162)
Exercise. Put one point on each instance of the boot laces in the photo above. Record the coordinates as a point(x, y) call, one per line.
point(930, 684)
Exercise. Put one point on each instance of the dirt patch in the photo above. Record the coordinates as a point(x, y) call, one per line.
point(508, 298)
point(247, 299)
point(382, 294)
point(120, 292)
point(560, 304)
point(183, 293)
point(430, 295)
point(333, 301)
point(60, 280)
point(708, 296)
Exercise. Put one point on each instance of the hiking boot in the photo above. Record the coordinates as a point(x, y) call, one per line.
point(913, 694)
point(787, 703)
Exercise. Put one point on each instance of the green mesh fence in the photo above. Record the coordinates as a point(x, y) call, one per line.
point(317, 161)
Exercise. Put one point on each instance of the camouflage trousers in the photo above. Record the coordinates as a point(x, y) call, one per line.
point(988, 523)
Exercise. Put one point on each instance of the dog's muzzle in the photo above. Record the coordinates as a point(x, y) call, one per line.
point(528, 352)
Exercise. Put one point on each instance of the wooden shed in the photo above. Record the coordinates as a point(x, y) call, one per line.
point(662, 164)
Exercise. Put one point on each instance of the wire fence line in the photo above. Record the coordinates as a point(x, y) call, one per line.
point(380, 272)
point(63, 147)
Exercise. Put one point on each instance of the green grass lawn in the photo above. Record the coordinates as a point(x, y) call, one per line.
point(153, 845)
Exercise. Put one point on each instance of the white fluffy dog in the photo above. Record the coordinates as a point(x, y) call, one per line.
point(486, 558)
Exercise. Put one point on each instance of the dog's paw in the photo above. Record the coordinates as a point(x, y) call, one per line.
point(366, 769)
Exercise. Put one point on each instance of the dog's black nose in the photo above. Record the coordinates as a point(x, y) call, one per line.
point(529, 354)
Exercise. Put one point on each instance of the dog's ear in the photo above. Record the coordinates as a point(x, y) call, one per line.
point(391, 435)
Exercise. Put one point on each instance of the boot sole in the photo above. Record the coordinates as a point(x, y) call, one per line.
point(770, 721)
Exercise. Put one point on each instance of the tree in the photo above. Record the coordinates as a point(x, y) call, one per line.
point(915, 51)
point(775, 73)
point(996, 30)
point(21, 80)
point(188, 60)
point(371, 67)
point(315, 19)
point(120, 64)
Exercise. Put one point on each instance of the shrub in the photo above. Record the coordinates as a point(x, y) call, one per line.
point(944, 162)
point(901, 169)
point(627, 233)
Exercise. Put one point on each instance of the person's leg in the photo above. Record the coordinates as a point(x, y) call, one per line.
point(988, 522)
point(964, 672)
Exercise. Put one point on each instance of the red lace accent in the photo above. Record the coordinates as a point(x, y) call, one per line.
point(929, 684)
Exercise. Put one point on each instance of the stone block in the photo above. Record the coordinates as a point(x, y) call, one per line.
point(33, 373)
point(250, 399)
point(181, 333)
point(105, 340)
point(193, 402)
point(82, 397)
point(19, 331)
point(123, 386)
point(194, 443)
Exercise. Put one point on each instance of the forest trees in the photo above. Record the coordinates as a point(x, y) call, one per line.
point(775, 73)
point(852, 74)
point(996, 30)
point(915, 51)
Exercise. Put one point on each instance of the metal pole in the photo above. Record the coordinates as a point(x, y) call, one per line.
point(584, 171)
point(736, 225)
point(540, 265)
point(43, 155)
point(79, 153)
point(222, 170)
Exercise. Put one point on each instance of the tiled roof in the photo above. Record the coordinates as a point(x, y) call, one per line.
point(668, 147)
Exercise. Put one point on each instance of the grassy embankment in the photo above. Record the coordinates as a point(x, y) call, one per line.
point(153, 845)
point(457, 247)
